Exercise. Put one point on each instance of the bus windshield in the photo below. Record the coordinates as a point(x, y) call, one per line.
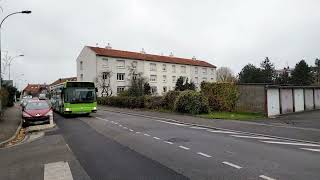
point(80, 95)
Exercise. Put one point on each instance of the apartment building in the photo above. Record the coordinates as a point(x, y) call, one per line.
point(160, 71)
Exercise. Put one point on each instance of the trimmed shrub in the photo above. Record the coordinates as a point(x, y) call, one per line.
point(169, 99)
point(153, 102)
point(122, 101)
point(191, 102)
point(221, 96)
point(4, 95)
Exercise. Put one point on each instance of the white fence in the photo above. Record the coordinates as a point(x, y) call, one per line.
point(288, 99)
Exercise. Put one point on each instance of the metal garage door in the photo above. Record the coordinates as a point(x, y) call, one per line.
point(273, 102)
point(317, 98)
point(308, 97)
point(298, 100)
point(286, 100)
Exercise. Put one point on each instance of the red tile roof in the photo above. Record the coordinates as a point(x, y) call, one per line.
point(62, 80)
point(35, 88)
point(148, 57)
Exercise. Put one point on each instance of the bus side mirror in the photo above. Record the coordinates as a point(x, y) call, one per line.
point(96, 89)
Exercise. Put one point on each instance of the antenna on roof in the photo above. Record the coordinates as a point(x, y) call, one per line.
point(108, 46)
point(171, 54)
point(142, 51)
point(194, 58)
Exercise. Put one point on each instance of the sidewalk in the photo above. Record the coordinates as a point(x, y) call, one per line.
point(9, 122)
point(285, 131)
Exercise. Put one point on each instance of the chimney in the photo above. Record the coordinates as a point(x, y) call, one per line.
point(171, 54)
point(108, 46)
point(142, 51)
point(194, 58)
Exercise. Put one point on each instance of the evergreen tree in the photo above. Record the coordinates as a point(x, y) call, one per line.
point(147, 88)
point(180, 84)
point(268, 71)
point(250, 74)
point(302, 75)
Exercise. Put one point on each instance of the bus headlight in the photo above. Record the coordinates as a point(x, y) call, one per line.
point(67, 109)
point(94, 108)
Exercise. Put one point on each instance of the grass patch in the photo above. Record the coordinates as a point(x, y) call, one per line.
point(233, 115)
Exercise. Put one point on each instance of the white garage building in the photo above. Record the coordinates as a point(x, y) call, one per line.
point(160, 71)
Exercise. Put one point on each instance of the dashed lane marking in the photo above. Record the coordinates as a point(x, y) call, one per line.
point(57, 170)
point(232, 165)
point(168, 142)
point(196, 127)
point(125, 128)
point(310, 149)
point(131, 130)
point(266, 177)
point(253, 137)
point(292, 143)
point(183, 147)
point(223, 132)
point(146, 134)
point(204, 154)
point(156, 138)
point(177, 124)
point(138, 132)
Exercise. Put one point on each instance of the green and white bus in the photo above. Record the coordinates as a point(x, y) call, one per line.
point(74, 97)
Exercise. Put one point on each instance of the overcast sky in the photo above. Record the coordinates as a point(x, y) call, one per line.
point(229, 33)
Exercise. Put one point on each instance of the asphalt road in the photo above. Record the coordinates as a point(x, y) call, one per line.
point(118, 146)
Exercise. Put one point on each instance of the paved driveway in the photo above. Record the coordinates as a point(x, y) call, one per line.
point(306, 119)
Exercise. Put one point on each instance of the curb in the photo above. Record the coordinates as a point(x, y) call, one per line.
point(215, 128)
point(14, 136)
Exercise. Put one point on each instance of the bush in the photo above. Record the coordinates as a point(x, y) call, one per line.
point(4, 95)
point(122, 101)
point(169, 99)
point(221, 96)
point(191, 102)
point(153, 102)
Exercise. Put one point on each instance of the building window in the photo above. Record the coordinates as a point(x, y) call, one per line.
point(183, 69)
point(174, 79)
point(105, 75)
point(173, 68)
point(81, 65)
point(164, 67)
point(204, 70)
point(134, 76)
point(196, 79)
point(120, 89)
point(153, 90)
point(211, 79)
point(165, 89)
point(81, 77)
point(212, 71)
point(153, 78)
point(120, 76)
point(196, 70)
point(120, 64)
point(164, 78)
point(204, 79)
point(153, 67)
point(104, 62)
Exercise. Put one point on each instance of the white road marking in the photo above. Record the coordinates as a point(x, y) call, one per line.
point(292, 143)
point(120, 125)
point(102, 119)
point(253, 137)
point(266, 177)
point(125, 128)
point(309, 149)
point(131, 130)
point(146, 134)
point(68, 147)
point(224, 132)
point(156, 138)
point(57, 170)
point(177, 124)
point(183, 147)
point(115, 123)
point(168, 142)
point(203, 154)
point(138, 132)
point(232, 165)
point(196, 127)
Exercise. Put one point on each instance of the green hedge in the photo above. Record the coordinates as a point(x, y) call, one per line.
point(191, 102)
point(153, 102)
point(169, 99)
point(4, 96)
point(221, 96)
point(122, 101)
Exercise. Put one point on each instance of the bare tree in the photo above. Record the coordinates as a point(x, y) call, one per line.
point(103, 82)
point(225, 74)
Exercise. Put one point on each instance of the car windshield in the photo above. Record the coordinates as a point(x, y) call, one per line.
point(80, 95)
point(37, 105)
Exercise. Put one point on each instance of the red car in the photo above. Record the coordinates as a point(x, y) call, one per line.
point(36, 112)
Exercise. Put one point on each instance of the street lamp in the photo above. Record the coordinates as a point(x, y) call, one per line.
point(9, 64)
point(20, 12)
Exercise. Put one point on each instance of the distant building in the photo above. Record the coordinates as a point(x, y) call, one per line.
point(35, 89)
point(284, 70)
point(62, 80)
point(161, 71)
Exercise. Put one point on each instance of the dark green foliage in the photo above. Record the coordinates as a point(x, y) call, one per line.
point(221, 96)
point(11, 95)
point(182, 85)
point(153, 102)
point(283, 78)
point(147, 89)
point(250, 74)
point(302, 75)
point(136, 87)
point(122, 101)
point(268, 71)
point(169, 99)
point(191, 102)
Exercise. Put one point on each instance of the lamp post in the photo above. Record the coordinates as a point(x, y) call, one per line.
point(9, 64)
point(20, 12)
